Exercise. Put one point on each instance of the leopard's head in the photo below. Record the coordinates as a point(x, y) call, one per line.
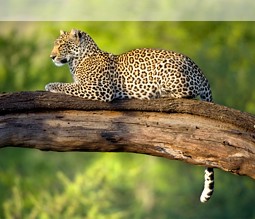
point(67, 46)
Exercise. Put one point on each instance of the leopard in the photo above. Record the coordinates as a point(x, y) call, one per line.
point(144, 73)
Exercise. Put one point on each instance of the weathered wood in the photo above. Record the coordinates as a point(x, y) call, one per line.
point(193, 131)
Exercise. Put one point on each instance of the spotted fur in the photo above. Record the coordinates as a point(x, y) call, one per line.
point(140, 73)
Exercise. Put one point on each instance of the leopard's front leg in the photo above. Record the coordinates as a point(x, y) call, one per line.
point(88, 92)
point(58, 87)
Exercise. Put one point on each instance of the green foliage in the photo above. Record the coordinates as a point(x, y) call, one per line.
point(44, 185)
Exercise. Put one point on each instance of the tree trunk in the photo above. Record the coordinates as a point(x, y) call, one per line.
point(193, 131)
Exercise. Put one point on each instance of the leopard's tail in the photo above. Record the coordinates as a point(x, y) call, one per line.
point(205, 92)
point(208, 185)
point(206, 95)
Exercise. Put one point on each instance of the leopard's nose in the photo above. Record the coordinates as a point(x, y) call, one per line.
point(52, 57)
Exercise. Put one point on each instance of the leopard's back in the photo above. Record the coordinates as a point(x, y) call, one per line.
point(151, 73)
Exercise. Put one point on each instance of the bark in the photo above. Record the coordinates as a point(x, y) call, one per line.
point(193, 131)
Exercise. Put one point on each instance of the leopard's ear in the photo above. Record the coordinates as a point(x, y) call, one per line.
point(75, 34)
point(62, 32)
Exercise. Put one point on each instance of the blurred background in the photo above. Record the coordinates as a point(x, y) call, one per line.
point(35, 184)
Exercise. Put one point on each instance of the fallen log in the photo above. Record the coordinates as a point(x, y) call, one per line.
point(192, 131)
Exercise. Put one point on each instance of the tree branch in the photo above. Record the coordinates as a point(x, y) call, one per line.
point(193, 131)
